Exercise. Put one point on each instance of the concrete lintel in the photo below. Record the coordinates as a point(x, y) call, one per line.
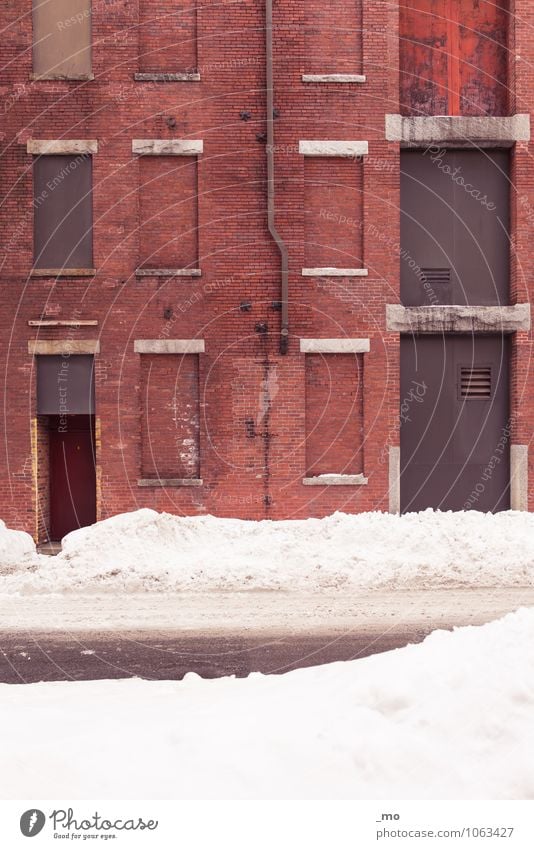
point(335, 346)
point(167, 147)
point(335, 272)
point(41, 147)
point(48, 322)
point(457, 319)
point(394, 479)
point(63, 346)
point(458, 129)
point(168, 272)
point(519, 477)
point(333, 148)
point(169, 346)
point(179, 77)
point(333, 78)
point(169, 482)
point(63, 272)
point(336, 480)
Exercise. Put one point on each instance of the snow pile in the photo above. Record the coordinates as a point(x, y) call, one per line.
point(17, 550)
point(145, 550)
point(452, 717)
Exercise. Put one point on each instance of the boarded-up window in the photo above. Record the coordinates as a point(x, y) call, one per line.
point(168, 235)
point(333, 37)
point(65, 384)
point(170, 416)
point(62, 37)
point(334, 414)
point(167, 36)
point(453, 57)
point(333, 212)
point(63, 211)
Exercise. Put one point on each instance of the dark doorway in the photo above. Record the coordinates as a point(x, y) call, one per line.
point(454, 423)
point(455, 227)
point(72, 474)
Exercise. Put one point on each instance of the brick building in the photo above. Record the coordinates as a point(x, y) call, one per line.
point(261, 299)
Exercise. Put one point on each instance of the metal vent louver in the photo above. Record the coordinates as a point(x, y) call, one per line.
point(436, 276)
point(475, 382)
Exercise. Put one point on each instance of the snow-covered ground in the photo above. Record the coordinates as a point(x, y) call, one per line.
point(451, 718)
point(145, 550)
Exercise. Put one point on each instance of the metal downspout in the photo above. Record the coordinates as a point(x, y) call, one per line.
point(284, 329)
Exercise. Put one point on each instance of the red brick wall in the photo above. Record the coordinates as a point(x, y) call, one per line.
point(242, 374)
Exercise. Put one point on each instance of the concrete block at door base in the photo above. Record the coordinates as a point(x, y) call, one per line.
point(336, 480)
point(519, 477)
point(457, 319)
point(458, 129)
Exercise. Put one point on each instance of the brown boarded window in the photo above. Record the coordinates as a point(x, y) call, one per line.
point(170, 416)
point(65, 384)
point(333, 212)
point(63, 211)
point(62, 38)
point(168, 36)
point(168, 199)
point(334, 414)
point(333, 37)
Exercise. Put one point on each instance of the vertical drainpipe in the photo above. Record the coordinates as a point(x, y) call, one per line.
point(284, 329)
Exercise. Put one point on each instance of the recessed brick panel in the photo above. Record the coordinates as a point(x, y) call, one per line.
point(167, 36)
point(169, 416)
point(333, 212)
point(334, 414)
point(168, 207)
point(333, 37)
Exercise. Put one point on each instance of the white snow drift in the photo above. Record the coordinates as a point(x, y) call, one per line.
point(452, 717)
point(145, 550)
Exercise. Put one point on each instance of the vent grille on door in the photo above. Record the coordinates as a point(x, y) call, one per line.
point(437, 276)
point(475, 382)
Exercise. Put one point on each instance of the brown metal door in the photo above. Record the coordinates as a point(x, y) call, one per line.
point(454, 423)
point(72, 474)
point(455, 227)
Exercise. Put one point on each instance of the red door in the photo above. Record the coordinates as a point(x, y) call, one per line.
point(72, 474)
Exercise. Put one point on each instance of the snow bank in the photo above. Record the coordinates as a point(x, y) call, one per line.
point(146, 550)
point(449, 718)
point(17, 550)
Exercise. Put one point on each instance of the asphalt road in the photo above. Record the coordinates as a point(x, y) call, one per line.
point(161, 637)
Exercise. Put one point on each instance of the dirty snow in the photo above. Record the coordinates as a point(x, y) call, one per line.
point(146, 550)
point(451, 718)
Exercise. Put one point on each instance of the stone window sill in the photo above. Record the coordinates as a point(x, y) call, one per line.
point(169, 482)
point(336, 480)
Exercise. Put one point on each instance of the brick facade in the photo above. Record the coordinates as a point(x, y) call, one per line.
point(253, 433)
